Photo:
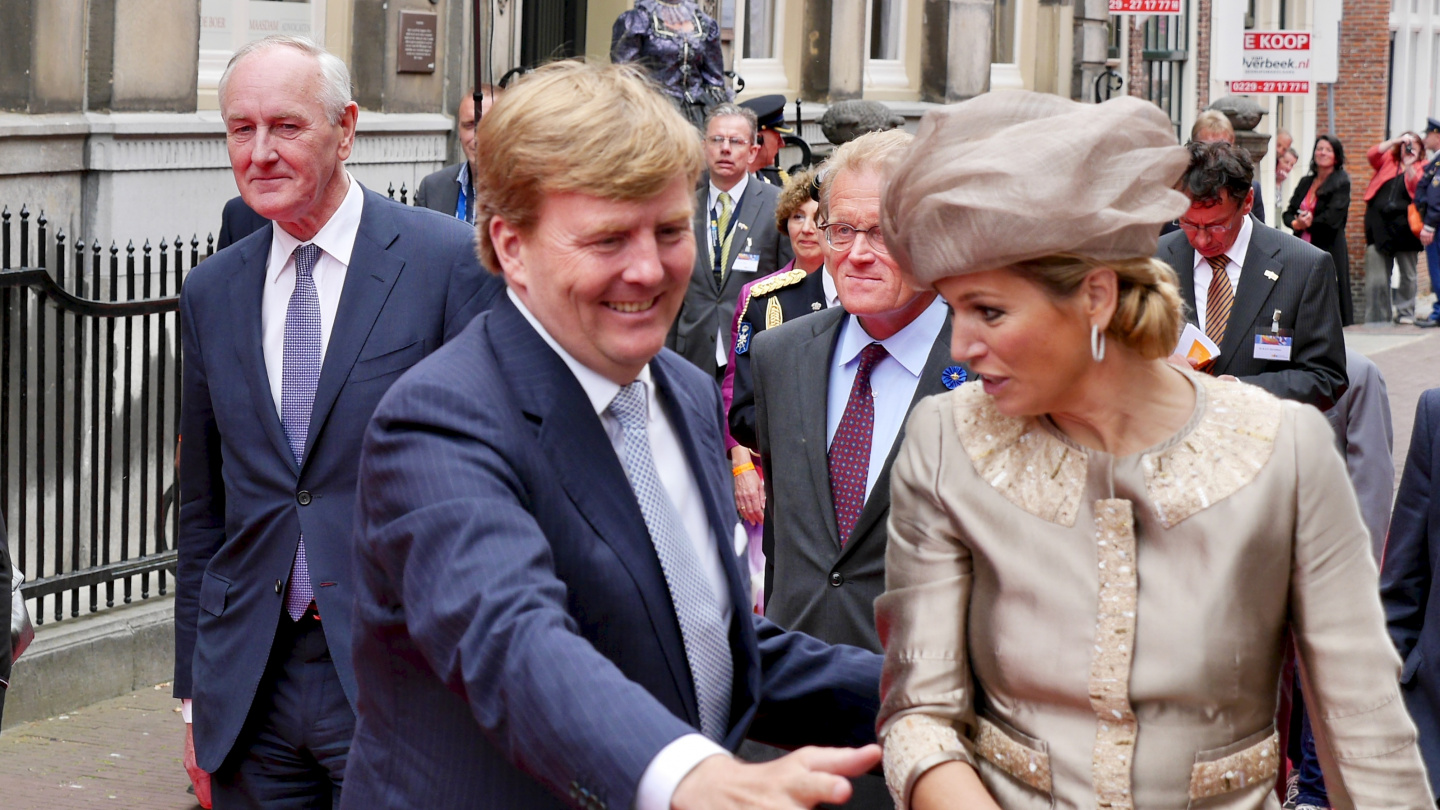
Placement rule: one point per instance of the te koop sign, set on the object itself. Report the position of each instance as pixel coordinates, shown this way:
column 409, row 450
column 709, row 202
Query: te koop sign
column 1275, row 62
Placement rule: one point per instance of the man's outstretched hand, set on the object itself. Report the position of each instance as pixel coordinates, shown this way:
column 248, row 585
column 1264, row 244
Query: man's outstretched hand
column 199, row 778
column 803, row 779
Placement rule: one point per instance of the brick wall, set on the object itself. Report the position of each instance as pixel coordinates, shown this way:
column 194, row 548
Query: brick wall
column 1201, row 57
column 1360, row 107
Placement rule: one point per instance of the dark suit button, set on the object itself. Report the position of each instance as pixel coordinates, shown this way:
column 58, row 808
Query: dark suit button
column 836, row 580
column 303, row 497
column 279, row 586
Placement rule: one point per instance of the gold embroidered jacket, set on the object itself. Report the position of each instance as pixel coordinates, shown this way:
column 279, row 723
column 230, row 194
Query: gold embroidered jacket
column 1092, row 631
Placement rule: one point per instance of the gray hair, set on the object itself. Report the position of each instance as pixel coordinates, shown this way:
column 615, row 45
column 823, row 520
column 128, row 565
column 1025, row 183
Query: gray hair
column 878, row 152
column 730, row 108
column 335, row 77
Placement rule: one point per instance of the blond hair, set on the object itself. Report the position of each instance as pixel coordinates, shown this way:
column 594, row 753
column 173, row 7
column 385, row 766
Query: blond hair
column 599, row 130
column 878, row 152
column 792, row 197
column 1212, row 123
column 1149, row 313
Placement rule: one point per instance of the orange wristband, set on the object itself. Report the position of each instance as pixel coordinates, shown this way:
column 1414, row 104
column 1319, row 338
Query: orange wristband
column 742, row 469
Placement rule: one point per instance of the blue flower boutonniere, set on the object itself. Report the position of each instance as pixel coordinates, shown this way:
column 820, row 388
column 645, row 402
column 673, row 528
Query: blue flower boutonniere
column 953, row 376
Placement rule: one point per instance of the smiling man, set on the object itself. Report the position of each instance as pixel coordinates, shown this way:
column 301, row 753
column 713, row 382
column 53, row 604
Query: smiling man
column 291, row 336
column 552, row 613
column 1267, row 299
column 735, row 241
column 832, row 390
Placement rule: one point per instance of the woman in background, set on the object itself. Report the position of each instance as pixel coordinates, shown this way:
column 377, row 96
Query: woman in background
column 1319, row 209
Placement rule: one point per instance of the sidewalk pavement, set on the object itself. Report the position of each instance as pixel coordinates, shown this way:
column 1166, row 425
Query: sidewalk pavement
column 125, row 753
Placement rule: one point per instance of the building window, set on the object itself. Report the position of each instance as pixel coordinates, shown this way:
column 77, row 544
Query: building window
column 1002, row 47
column 885, row 29
column 228, row 25
column 759, row 29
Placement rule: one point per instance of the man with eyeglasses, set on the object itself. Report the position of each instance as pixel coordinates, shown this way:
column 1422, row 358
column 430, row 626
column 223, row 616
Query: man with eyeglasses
column 734, row 238
column 1266, row 298
column 832, row 391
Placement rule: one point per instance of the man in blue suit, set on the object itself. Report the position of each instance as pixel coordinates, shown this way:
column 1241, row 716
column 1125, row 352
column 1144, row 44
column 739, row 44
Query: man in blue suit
column 1410, row 581
column 291, row 336
column 549, row 609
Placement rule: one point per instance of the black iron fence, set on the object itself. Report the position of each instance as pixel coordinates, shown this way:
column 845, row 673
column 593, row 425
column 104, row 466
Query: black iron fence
column 89, row 412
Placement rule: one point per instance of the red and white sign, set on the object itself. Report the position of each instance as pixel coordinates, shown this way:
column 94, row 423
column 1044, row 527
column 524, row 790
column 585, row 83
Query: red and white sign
column 1145, row 6
column 1276, row 62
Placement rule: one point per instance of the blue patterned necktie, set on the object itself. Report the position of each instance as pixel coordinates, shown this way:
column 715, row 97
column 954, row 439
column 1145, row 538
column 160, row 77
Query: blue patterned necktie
column 702, row 628
column 298, row 380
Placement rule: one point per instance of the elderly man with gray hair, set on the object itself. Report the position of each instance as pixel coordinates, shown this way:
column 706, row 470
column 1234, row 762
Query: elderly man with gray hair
column 291, row 337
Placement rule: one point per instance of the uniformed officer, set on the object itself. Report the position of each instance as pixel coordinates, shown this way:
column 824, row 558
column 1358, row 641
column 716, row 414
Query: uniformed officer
column 1427, row 202
column 770, row 112
column 797, row 289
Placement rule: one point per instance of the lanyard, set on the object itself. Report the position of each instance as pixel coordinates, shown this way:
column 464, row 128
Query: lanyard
column 717, row 245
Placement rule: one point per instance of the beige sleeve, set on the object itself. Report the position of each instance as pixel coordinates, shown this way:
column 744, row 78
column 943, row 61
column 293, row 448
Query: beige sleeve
column 1365, row 739
column 926, row 694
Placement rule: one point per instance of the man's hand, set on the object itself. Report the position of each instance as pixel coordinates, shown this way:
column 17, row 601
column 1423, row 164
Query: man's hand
column 199, row 778
column 803, row 779
column 1427, row 235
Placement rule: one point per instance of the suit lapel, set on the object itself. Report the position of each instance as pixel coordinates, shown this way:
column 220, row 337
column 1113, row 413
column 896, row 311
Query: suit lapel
column 1181, row 258
column 814, row 368
column 878, row 504
column 1250, row 294
column 368, row 282
column 577, row 448
column 247, row 290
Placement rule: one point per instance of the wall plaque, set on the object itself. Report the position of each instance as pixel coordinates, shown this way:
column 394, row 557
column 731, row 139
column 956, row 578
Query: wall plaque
column 416, row 42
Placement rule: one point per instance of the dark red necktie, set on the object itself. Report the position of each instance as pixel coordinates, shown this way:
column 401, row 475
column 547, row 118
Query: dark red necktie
column 850, row 449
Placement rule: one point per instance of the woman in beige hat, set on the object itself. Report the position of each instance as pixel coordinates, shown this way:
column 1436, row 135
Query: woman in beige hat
column 1094, row 555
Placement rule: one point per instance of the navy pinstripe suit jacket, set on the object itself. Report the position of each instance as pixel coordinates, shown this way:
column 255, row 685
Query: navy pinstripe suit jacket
column 515, row 642
column 413, row 282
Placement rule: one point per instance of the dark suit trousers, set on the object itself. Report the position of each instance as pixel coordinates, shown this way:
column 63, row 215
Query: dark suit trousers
column 292, row 752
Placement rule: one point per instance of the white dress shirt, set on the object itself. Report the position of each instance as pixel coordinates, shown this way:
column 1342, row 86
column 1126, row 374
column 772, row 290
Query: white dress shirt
column 336, row 239
column 827, row 281
column 892, row 382
column 676, row 760
column 1204, row 273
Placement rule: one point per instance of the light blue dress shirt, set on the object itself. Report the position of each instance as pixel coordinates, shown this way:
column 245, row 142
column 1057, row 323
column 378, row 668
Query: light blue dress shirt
column 892, row 381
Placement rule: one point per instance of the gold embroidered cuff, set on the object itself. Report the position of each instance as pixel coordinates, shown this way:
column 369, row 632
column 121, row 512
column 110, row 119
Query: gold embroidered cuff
column 915, row 744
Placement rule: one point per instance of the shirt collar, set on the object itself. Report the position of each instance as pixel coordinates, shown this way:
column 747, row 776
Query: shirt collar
column 336, row 237
column 735, row 193
column 1237, row 251
column 599, row 389
column 827, row 282
column 910, row 346
column 463, row 176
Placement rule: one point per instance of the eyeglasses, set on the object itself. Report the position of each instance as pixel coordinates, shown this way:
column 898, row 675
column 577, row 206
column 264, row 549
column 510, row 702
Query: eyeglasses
column 719, row 141
column 840, row 236
column 1211, row 231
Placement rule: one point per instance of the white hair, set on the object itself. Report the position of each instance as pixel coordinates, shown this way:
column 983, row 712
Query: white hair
column 335, row 77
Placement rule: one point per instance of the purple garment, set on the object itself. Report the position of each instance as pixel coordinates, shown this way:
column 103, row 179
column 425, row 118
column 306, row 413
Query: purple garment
column 687, row 65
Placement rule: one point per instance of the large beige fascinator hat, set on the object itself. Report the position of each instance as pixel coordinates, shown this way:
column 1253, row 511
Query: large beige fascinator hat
column 1011, row 176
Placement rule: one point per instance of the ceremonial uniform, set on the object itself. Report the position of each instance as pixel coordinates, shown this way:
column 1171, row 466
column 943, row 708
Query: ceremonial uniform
column 1427, row 202
column 783, row 296
column 773, row 176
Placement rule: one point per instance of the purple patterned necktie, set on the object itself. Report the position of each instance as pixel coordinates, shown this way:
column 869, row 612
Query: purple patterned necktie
column 299, row 377
column 850, row 449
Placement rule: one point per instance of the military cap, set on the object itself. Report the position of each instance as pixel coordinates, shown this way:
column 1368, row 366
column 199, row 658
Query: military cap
column 1431, row 125
column 769, row 112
